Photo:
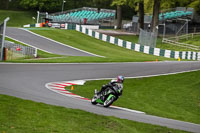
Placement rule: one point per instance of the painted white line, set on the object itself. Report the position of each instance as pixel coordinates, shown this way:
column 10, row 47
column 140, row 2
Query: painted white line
column 130, row 110
column 62, row 43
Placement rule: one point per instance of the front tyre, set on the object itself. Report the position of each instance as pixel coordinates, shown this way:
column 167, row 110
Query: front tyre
column 109, row 101
column 93, row 101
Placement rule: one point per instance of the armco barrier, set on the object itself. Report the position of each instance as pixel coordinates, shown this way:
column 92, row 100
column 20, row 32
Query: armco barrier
column 140, row 48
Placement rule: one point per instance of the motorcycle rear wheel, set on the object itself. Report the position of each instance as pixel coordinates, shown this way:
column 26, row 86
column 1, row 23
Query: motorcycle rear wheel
column 107, row 103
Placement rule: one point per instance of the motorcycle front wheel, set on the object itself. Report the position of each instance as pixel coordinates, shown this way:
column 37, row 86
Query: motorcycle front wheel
column 93, row 101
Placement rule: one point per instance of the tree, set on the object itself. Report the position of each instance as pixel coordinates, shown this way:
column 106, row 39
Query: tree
column 155, row 18
column 196, row 5
column 119, row 4
column 141, row 14
column 106, row 4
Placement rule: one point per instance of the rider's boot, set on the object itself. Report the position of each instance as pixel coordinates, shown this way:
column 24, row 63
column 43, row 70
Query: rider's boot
column 95, row 91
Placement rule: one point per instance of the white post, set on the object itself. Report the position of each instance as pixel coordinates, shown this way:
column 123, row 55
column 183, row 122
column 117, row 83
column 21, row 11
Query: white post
column 47, row 15
column 35, row 54
column 38, row 15
column 199, row 56
column 63, row 5
column 164, row 31
column 3, row 37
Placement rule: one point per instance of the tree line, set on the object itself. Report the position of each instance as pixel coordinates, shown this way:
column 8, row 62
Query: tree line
column 125, row 8
column 134, row 5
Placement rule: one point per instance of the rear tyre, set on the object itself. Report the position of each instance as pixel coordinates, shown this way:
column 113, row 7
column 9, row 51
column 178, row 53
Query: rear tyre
column 107, row 103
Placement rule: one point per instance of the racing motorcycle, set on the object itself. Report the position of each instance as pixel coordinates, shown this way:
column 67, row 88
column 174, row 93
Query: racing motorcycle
column 107, row 97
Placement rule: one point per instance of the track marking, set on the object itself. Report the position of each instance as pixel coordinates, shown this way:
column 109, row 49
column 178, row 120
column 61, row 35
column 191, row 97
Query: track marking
column 59, row 87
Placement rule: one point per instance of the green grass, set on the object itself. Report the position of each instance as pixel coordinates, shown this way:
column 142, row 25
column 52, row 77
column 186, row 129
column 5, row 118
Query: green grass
column 23, row 116
column 111, row 52
column 133, row 38
column 194, row 41
column 130, row 38
column 17, row 18
column 173, row 96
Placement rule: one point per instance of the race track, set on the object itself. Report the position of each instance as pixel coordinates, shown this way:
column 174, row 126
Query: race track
column 28, row 81
column 42, row 43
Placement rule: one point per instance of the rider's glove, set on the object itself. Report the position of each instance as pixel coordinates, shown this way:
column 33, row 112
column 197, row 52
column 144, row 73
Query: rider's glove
column 103, row 86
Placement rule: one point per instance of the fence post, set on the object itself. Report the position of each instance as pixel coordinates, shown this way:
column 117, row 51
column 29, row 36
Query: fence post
column 4, row 54
column 35, row 54
column 199, row 56
column 3, row 37
column 38, row 15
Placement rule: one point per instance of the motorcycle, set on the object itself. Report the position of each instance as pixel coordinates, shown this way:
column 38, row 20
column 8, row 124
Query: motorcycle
column 107, row 97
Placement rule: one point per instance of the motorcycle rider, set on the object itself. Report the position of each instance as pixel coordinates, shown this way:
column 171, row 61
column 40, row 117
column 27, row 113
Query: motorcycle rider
column 118, row 84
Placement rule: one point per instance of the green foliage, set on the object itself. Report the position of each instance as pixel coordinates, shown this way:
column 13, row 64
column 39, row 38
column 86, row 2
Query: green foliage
column 119, row 2
column 101, row 4
column 18, row 18
column 196, row 5
column 41, row 5
column 168, row 4
column 55, row 5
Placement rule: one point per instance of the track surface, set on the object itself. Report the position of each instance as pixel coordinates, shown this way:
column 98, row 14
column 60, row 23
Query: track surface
column 28, row 81
column 44, row 44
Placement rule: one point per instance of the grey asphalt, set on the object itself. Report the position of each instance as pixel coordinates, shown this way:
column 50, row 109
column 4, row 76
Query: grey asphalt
column 42, row 43
column 28, row 81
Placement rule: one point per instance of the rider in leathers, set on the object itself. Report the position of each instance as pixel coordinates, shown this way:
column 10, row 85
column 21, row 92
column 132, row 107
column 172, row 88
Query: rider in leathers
column 116, row 85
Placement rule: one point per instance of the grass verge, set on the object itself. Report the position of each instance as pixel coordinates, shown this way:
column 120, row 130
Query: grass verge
column 194, row 41
column 18, row 18
column 24, row 116
column 173, row 96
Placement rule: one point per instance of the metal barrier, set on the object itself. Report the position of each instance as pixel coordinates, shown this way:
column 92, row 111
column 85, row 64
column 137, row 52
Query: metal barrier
column 19, row 51
column 175, row 41
column 148, row 38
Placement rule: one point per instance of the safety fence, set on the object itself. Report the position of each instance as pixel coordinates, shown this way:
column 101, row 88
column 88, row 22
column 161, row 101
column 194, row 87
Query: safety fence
column 148, row 38
column 16, row 51
column 140, row 48
column 175, row 41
